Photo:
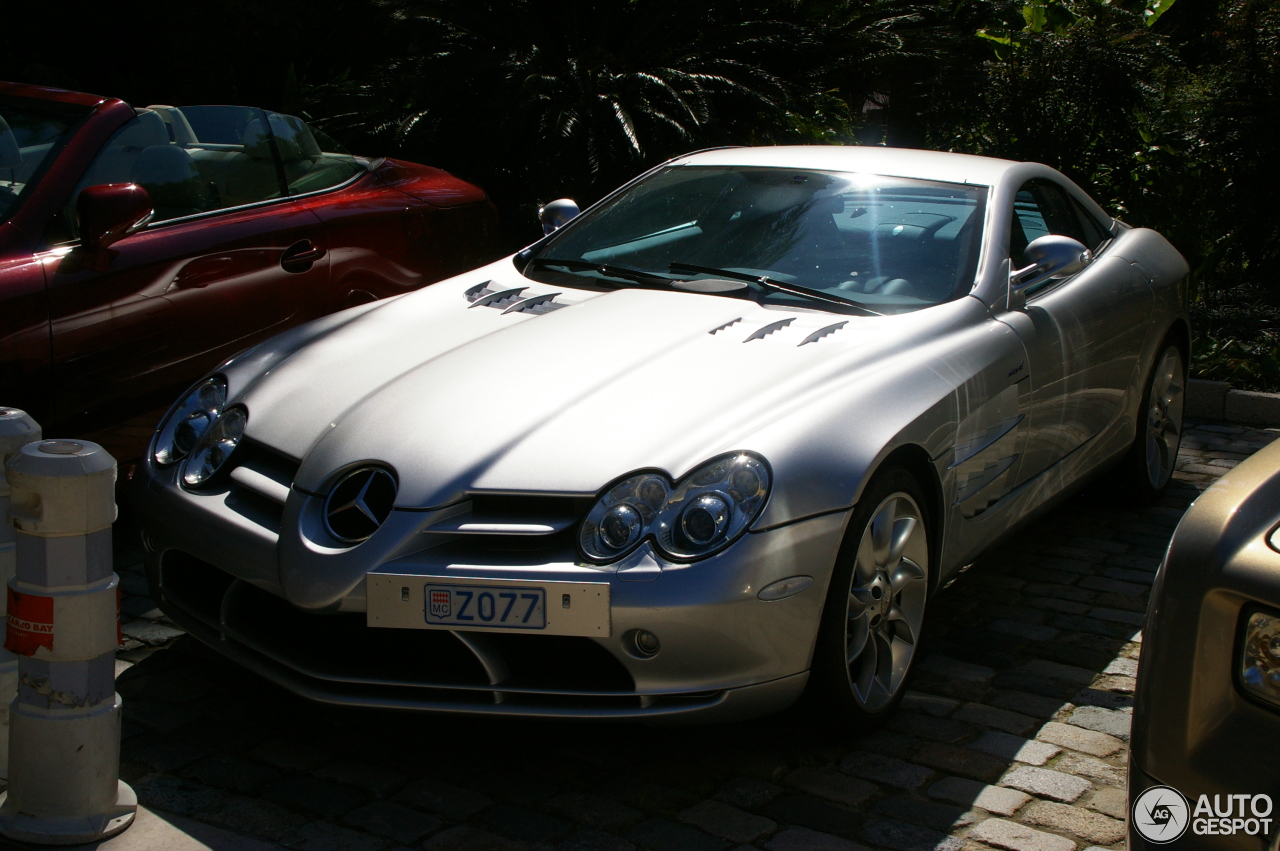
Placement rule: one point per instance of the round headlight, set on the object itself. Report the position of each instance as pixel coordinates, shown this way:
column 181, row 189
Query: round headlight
column 712, row 506
column 705, row 519
column 700, row 516
column 189, row 420
column 215, row 447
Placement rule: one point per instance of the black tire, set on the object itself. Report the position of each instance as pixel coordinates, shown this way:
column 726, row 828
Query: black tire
column 838, row 687
column 1159, row 429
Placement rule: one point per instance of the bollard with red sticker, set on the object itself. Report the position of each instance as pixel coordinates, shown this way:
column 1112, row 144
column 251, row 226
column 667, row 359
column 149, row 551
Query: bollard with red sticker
column 62, row 624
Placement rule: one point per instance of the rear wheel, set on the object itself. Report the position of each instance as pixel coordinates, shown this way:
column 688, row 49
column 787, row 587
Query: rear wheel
column 875, row 604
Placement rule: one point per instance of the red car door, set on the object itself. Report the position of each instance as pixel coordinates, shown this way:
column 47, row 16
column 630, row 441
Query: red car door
column 227, row 261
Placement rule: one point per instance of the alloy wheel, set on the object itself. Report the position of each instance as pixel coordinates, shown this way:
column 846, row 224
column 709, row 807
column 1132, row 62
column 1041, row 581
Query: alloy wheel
column 886, row 601
column 1166, row 397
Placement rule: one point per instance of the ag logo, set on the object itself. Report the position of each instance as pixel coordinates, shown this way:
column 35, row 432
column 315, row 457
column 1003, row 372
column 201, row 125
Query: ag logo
column 1161, row 814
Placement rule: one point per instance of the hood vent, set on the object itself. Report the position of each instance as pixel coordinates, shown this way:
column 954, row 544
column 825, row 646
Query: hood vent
column 729, row 324
column 761, row 333
column 539, row 304
column 509, row 301
column 822, row 332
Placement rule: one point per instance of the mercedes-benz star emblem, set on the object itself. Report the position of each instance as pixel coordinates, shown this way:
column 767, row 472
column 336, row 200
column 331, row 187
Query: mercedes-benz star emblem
column 359, row 504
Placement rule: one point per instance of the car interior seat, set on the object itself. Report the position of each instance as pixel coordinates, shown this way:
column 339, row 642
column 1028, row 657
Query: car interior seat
column 115, row 163
column 171, row 179
column 251, row 174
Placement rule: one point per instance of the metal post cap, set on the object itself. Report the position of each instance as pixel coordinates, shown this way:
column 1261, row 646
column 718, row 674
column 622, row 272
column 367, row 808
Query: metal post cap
column 17, row 429
column 61, row 487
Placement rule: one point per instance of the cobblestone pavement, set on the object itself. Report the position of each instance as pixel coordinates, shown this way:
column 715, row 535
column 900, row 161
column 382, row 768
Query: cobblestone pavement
column 1014, row 735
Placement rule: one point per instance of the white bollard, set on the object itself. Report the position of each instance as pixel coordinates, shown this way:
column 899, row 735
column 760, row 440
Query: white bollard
column 64, row 751
column 16, row 430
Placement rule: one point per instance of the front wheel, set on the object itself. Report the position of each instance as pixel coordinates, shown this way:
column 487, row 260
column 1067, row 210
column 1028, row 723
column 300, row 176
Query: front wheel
column 1154, row 454
column 875, row 604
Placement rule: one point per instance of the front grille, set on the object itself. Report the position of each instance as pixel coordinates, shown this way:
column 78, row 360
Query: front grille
column 259, row 484
column 337, row 658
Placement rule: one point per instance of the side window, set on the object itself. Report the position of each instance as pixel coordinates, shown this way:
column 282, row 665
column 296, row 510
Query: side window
column 1095, row 233
column 1041, row 208
column 190, row 161
column 311, row 160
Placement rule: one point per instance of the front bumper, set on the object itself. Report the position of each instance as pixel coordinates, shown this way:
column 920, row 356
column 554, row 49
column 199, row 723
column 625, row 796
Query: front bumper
column 724, row 653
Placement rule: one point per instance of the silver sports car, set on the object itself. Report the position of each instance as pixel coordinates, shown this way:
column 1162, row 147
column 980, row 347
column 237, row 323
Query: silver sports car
column 712, row 442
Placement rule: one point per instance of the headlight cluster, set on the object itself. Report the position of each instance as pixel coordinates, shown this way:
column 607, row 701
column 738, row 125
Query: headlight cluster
column 200, row 432
column 700, row 515
column 1260, row 667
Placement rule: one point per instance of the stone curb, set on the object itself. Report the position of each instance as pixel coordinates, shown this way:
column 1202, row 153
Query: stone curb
column 1215, row 400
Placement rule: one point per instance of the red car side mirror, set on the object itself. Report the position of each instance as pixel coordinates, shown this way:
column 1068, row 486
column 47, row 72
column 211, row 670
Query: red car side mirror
column 111, row 211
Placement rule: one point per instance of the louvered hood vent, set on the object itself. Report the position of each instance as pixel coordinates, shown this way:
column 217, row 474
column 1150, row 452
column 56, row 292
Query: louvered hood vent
column 514, row 300
column 760, row 333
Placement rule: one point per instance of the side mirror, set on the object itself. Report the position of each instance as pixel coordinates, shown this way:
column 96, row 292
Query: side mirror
column 1051, row 256
column 556, row 214
column 111, row 211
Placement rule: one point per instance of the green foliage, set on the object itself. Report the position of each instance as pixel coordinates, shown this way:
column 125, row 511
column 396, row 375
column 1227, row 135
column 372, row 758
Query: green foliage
column 1248, row 366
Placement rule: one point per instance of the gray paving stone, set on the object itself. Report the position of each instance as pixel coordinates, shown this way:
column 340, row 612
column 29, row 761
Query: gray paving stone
column 955, row 668
column 804, row 839
column 991, row 716
column 443, row 799
column 597, row 811
column 1077, row 739
column 1089, row 826
column 393, row 821
column 1109, row 801
column 962, row 761
column 731, row 823
column 1068, row 607
column 467, row 838
column 831, row 785
column 1046, row 783
column 176, row 795
column 1124, row 574
column 889, row 743
column 971, row 793
column 748, row 793
column 1123, row 667
column 322, row 836
column 1016, row 748
column 594, row 840
column 529, row 825
column 159, row 752
column 1016, row 837
column 943, row 817
column 151, row 634
column 141, row 607
column 1080, row 765
column 1115, row 586
column 661, row 835
column 1119, row 616
column 253, row 816
column 1104, row 699
column 375, row 779
column 1103, row 720
column 1057, row 671
column 291, row 754
column 814, row 814
column 948, row 730
column 1034, row 705
column 930, row 704
column 888, row 833
column 321, row 798
column 884, row 769
column 162, row 715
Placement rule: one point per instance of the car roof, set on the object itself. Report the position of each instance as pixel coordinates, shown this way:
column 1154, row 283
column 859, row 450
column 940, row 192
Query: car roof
column 895, row 162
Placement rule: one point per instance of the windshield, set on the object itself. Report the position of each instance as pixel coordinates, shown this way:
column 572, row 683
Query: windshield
column 32, row 132
column 890, row 244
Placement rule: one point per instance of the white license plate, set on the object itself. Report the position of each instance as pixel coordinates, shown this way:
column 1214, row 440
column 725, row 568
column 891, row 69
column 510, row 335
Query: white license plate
column 486, row 605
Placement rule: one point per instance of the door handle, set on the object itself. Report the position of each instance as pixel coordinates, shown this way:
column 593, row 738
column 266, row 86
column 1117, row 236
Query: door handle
column 300, row 255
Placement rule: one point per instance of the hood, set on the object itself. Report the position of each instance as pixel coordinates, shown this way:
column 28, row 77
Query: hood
column 555, row 390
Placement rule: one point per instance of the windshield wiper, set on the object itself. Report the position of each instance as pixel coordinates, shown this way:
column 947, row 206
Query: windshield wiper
column 623, row 272
column 771, row 284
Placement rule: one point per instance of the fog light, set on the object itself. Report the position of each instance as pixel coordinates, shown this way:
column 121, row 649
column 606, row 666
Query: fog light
column 644, row 643
column 1259, row 669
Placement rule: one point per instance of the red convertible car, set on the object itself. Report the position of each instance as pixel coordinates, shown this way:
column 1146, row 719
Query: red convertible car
column 140, row 247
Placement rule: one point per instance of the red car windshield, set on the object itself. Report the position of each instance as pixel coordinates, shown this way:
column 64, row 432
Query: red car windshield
column 32, row 132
